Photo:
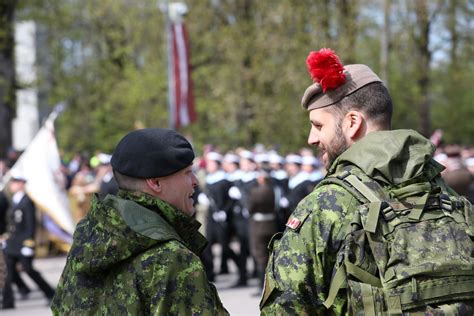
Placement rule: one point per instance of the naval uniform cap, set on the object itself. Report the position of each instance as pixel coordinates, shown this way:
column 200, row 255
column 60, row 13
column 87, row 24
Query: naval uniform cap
column 214, row 156
column 275, row 158
column 17, row 175
column 151, row 153
column 246, row 154
column 232, row 158
column 104, row 159
column 309, row 160
column 292, row 158
column 261, row 158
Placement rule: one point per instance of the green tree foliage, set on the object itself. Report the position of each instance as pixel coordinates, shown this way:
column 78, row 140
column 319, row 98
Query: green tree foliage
column 107, row 60
column 7, row 74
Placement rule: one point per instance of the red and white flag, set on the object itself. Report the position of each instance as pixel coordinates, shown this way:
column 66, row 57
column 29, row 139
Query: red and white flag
column 180, row 82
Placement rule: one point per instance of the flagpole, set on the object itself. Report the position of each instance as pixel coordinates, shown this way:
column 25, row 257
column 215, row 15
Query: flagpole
column 170, row 62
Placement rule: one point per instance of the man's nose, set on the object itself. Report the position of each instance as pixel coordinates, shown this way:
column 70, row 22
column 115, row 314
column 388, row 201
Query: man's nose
column 313, row 138
column 195, row 180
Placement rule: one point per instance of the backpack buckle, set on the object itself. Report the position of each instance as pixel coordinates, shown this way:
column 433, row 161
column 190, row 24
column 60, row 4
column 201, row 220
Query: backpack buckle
column 445, row 202
column 387, row 211
column 343, row 175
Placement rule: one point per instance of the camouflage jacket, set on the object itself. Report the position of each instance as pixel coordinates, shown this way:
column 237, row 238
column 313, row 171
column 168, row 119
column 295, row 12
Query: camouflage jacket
column 136, row 255
column 301, row 264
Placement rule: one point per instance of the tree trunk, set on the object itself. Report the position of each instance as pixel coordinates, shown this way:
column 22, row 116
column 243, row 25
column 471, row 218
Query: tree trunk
column 7, row 74
column 385, row 42
column 451, row 21
column 424, row 59
column 349, row 28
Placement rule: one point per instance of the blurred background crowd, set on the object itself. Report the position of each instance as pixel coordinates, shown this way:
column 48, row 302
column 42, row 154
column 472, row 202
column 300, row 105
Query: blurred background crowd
column 107, row 63
column 245, row 196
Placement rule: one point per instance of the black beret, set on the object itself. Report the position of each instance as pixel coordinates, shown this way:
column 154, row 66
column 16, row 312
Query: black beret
column 151, row 153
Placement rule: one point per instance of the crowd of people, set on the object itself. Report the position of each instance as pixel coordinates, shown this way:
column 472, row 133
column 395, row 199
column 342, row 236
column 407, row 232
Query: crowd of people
column 244, row 197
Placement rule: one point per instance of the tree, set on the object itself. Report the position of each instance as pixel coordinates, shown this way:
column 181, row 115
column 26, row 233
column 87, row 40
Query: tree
column 108, row 62
column 7, row 74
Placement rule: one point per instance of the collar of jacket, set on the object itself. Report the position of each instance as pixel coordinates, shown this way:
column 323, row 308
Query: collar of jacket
column 397, row 157
column 156, row 219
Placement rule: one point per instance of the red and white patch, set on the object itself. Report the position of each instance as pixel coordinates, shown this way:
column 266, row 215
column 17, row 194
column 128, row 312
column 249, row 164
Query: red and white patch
column 293, row 223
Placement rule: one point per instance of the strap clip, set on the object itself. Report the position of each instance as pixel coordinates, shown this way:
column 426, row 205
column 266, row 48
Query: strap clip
column 343, row 175
column 387, row 211
column 445, row 202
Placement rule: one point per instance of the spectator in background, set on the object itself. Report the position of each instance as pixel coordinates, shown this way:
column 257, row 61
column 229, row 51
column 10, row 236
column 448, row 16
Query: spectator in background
column 263, row 222
column 75, row 164
column 456, row 174
column 469, row 162
column 19, row 241
column 310, row 164
column 3, row 169
column 3, row 212
column 12, row 156
column 81, row 191
column 299, row 184
column 105, row 177
column 216, row 196
column 3, row 276
column 3, row 228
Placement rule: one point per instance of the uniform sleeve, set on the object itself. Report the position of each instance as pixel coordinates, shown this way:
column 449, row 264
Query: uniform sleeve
column 174, row 283
column 29, row 220
column 302, row 261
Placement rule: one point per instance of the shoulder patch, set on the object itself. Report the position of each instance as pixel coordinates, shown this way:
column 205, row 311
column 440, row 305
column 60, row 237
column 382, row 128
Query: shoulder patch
column 293, row 223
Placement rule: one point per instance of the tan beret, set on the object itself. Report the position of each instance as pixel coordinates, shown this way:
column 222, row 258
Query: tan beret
column 357, row 76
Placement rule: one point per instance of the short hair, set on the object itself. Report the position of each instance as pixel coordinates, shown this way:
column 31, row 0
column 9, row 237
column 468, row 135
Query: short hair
column 128, row 183
column 373, row 100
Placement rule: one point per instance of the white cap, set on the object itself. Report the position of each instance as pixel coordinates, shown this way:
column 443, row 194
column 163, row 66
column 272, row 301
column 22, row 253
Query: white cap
column 276, row 158
column 104, row 159
column 309, row 160
column 214, row 156
column 261, row 158
column 293, row 159
column 232, row 158
column 17, row 175
column 245, row 154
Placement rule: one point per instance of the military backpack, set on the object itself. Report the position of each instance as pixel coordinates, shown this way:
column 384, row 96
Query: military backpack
column 405, row 248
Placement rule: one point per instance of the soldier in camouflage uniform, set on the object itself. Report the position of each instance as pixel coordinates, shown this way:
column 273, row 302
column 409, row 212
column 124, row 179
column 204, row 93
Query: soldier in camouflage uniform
column 137, row 253
column 350, row 125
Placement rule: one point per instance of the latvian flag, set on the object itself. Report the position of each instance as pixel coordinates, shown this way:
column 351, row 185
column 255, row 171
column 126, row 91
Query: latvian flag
column 180, row 82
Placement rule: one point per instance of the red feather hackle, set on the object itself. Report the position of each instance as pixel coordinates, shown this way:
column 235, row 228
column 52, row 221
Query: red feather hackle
column 326, row 69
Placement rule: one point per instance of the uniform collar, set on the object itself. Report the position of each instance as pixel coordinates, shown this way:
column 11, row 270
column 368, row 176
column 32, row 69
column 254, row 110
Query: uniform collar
column 17, row 197
column 185, row 226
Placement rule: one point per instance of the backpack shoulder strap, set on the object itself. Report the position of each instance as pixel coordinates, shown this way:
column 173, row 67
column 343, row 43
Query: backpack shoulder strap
column 341, row 180
column 364, row 194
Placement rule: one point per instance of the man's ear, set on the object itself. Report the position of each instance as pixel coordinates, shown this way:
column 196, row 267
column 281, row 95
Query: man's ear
column 355, row 125
column 154, row 184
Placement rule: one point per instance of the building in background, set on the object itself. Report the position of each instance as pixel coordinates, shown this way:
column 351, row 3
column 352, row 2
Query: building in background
column 26, row 122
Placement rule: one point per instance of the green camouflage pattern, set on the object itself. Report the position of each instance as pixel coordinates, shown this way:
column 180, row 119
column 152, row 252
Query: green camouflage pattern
column 303, row 258
column 300, row 267
column 136, row 255
column 423, row 261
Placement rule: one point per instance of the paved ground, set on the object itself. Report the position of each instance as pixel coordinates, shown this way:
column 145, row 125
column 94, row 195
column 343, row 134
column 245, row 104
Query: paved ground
column 237, row 301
